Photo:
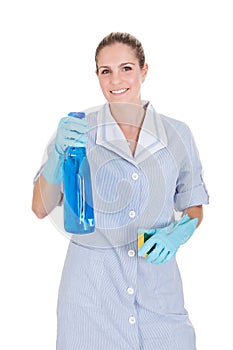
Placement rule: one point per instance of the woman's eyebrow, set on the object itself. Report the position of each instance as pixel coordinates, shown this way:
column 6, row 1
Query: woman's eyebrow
column 103, row 67
column 122, row 64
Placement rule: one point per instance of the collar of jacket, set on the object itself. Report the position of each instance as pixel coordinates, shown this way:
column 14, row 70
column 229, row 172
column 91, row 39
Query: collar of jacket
column 152, row 136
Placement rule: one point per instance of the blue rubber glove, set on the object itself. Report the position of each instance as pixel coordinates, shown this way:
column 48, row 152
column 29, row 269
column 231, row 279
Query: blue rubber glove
column 71, row 131
column 164, row 242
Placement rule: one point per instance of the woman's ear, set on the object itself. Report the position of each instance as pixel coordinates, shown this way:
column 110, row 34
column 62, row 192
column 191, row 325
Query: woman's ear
column 144, row 71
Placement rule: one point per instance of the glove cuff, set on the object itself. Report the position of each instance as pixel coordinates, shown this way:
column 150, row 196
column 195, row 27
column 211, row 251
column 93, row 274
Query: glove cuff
column 188, row 228
column 53, row 169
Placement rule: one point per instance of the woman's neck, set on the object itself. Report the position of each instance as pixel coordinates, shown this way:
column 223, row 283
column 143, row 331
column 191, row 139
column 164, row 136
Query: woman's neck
column 129, row 117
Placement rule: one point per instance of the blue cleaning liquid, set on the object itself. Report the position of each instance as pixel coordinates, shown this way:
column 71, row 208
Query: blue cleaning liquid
column 78, row 201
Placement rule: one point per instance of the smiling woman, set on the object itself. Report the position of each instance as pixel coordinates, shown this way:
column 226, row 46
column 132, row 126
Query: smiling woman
column 111, row 296
column 121, row 68
column 119, row 74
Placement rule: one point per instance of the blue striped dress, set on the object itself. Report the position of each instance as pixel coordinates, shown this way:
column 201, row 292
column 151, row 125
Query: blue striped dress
column 109, row 298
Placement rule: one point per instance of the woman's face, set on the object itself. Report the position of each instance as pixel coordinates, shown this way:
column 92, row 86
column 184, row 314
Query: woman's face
column 119, row 74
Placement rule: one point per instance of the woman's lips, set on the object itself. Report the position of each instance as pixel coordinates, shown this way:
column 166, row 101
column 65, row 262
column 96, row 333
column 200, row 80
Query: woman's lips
column 118, row 91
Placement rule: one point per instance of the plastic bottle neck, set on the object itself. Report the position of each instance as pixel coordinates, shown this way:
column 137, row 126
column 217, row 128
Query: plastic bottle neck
column 76, row 151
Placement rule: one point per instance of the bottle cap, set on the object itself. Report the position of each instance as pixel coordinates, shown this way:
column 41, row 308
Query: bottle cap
column 79, row 115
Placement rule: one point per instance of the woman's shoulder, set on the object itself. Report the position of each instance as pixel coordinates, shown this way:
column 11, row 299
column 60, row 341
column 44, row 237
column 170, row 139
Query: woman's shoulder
column 93, row 110
column 176, row 128
column 91, row 115
column 169, row 123
column 174, row 123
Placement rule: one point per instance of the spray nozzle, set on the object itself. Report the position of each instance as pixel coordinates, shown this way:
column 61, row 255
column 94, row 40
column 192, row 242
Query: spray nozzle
column 79, row 115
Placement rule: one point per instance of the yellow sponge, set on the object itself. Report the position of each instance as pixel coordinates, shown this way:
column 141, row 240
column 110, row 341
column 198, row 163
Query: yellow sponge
column 142, row 238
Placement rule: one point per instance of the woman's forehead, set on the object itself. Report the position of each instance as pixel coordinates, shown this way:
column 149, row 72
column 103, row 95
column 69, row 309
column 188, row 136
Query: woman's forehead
column 116, row 53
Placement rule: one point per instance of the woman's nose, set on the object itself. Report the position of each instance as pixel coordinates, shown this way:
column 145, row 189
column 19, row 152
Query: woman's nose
column 115, row 77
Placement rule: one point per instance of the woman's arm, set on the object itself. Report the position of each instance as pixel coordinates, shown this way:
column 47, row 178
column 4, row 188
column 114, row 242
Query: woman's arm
column 195, row 212
column 45, row 197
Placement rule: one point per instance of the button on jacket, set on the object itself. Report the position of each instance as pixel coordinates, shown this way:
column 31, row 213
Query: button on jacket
column 109, row 298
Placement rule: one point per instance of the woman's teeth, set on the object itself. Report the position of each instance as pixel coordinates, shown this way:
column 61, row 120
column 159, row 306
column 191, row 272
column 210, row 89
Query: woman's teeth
column 120, row 91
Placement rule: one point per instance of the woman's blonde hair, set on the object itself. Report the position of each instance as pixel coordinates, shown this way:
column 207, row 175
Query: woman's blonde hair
column 124, row 38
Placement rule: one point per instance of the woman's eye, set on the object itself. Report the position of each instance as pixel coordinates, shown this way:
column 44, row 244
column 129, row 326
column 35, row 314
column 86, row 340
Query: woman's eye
column 105, row 71
column 127, row 68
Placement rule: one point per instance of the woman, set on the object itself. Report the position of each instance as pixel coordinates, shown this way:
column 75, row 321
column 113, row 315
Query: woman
column 145, row 167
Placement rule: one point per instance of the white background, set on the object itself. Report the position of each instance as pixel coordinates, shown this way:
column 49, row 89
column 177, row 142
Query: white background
column 46, row 70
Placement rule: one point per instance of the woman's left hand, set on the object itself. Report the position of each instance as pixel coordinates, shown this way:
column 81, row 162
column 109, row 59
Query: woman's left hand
column 164, row 242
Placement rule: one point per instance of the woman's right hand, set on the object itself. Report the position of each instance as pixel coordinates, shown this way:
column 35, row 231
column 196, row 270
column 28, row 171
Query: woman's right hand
column 71, row 131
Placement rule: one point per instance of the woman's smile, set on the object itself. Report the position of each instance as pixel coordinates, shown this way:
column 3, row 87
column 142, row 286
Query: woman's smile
column 119, row 91
column 119, row 74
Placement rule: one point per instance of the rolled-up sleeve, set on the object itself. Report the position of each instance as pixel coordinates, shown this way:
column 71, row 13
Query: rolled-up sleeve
column 190, row 187
column 46, row 154
column 48, row 151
